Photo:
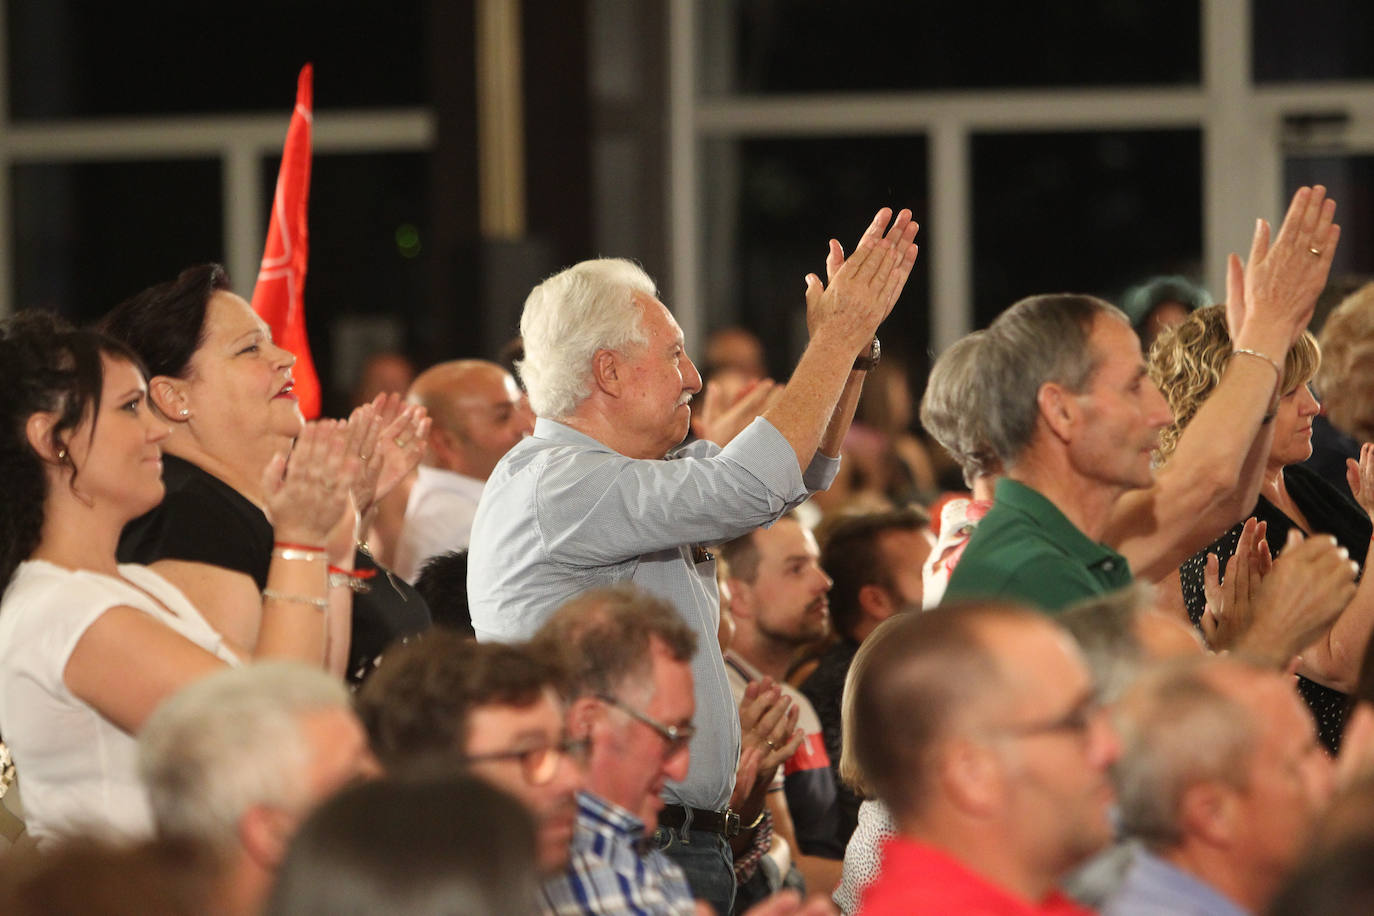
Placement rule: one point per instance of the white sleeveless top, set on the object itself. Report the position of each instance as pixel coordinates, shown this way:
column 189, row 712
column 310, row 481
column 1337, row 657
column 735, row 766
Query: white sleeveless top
column 80, row 771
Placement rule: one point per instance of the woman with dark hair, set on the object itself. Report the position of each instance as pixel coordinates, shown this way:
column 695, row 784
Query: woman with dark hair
column 1186, row 363
column 88, row 646
column 449, row 847
column 226, row 390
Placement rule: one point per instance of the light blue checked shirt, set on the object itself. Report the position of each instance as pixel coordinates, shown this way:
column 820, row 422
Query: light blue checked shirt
column 610, row 872
column 1154, row 886
column 562, row 513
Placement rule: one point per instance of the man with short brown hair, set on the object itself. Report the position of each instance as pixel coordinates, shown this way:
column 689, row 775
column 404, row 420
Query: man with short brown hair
column 779, row 605
column 628, row 655
column 444, row 703
column 979, row 727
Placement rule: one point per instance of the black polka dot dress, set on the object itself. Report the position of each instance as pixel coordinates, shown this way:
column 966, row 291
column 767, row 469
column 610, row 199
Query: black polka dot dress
column 1328, row 511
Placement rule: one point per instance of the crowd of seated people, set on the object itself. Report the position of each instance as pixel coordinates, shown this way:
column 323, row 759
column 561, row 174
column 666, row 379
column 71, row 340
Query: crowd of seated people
column 628, row 664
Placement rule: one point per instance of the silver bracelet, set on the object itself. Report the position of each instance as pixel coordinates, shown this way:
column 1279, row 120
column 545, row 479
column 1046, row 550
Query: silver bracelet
column 1278, row 370
column 321, row 604
column 296, row 553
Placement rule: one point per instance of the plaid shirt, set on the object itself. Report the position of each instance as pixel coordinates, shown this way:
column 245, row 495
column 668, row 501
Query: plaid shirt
column 613, row 868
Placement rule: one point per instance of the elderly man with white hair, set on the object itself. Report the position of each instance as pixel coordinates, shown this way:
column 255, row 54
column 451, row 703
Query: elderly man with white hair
column 589, row 500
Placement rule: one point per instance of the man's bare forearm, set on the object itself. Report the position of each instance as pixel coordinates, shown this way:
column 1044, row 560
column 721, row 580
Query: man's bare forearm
column 843, row 415
column 812, row 408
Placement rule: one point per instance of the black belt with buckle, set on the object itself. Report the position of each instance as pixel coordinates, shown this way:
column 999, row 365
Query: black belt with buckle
column 726, row 822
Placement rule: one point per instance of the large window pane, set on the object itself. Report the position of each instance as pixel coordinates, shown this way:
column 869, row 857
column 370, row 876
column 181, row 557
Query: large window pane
column 771, row 206
column 1082, row 212
column 1312, row 40
column 70, row 58
column 771, row 46
column 89, row 234
column 369, row 257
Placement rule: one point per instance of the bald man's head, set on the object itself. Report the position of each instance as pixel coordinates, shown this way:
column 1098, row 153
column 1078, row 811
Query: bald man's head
column 479, row 414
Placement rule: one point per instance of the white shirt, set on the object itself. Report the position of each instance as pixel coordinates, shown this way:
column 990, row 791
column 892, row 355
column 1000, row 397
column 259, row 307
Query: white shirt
column 438, row 518
column 79, row 769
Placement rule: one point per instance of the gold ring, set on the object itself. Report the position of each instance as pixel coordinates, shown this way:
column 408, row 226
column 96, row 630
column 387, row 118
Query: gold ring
column 366, row 458
column 399, row 443
column 1316, row 251
column 771, row 745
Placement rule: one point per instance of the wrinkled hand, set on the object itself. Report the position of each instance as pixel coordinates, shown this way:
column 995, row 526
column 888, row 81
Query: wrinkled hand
column 1360, row 476
column 391, row 444
column 864, row 288
column 790, row 903
column 1310, row 584
column 1281, row 281
column 308, row 493
column 1229, row 610
column 724, row 414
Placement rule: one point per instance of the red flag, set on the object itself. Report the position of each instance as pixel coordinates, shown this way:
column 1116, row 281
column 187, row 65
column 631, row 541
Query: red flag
column 279, row 296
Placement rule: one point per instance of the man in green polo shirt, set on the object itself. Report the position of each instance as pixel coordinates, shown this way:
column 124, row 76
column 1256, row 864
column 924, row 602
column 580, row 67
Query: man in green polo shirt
column 1025, row 548
column 1094, row 426
column 1064, row 403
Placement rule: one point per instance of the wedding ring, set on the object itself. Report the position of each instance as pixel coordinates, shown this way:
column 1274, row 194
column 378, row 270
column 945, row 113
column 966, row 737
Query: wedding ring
column 771, row 745
column 399, row 443
column 1316, row 251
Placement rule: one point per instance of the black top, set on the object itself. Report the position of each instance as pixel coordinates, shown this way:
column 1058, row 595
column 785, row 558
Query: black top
column 1330, row 448
column 825, row 689
column 1328, row 511
column 201, row 520
column 204, row 520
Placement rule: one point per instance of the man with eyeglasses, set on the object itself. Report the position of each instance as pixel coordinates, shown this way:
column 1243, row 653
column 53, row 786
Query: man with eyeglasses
column 979, row 726
column 444, row 703
column 628, row 656
column 628, row 660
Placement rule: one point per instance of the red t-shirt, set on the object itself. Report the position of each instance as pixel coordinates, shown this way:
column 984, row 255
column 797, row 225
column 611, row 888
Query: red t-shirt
column 917, row 879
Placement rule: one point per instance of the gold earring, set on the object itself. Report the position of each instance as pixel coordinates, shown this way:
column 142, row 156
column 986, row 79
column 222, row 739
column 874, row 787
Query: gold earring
column 61, row 454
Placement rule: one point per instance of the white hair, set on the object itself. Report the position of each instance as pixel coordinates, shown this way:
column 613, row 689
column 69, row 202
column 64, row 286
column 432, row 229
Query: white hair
column 228, row 742
column 571, row 315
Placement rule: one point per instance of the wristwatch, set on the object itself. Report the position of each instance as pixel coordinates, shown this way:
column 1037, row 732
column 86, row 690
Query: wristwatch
column 875, row 353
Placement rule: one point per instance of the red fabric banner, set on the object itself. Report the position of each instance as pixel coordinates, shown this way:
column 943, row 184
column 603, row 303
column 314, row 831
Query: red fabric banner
column 279, row 296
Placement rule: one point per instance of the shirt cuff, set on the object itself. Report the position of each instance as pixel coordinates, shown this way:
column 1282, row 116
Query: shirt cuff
column 820, row 473
column 764, row 452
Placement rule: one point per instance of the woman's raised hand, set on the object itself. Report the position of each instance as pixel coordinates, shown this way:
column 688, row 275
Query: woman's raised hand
column 307, row 492
column 401, row 443
column 1359, row 475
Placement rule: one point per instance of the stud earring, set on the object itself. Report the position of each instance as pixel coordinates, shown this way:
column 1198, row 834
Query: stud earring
column 61, row 454
column 185, row 412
